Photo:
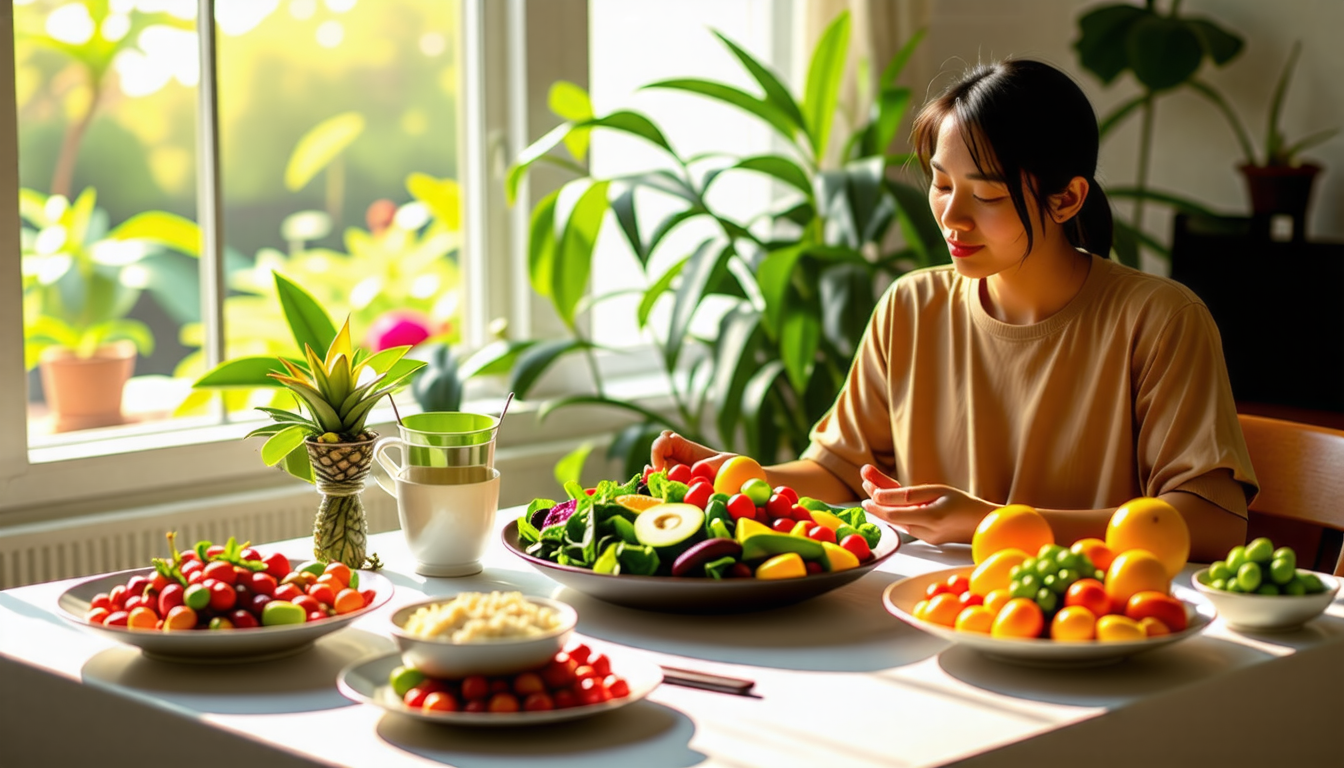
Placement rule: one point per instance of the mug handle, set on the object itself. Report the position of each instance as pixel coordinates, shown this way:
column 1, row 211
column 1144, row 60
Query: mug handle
column 389, row 466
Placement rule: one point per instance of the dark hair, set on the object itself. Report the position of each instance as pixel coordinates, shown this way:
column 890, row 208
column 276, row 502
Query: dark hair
column 1024, row 117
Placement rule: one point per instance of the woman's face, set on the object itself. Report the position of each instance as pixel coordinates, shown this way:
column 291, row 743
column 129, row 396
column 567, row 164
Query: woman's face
column 976, row 214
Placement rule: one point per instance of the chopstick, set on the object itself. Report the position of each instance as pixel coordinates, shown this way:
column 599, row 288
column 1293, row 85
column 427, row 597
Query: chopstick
column 690, row 678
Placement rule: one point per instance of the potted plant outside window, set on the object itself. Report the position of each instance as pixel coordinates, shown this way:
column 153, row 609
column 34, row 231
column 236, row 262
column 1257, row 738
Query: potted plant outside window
column 80, row 281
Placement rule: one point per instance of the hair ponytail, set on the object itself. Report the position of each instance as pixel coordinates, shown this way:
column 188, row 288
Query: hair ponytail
column 1093, row 227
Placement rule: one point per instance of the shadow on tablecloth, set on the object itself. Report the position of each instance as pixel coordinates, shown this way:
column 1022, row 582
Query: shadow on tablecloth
column 303, row 682
column 641, row 734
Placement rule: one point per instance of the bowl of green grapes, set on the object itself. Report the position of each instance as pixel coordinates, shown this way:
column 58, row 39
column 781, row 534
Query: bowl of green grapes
column 1259, row 588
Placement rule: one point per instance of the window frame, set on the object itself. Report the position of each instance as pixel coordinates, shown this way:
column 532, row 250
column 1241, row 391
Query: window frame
column 516, row 50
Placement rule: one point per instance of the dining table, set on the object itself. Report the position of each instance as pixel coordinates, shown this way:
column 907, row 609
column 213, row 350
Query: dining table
column 838, row 681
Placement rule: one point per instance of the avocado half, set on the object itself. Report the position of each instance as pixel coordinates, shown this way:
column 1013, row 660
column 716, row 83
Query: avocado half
column 670, row 527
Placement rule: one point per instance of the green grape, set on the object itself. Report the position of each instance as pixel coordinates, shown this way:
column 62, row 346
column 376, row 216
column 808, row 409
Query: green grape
column 1028, row 565
column 1267, row 589
column 1030, row 580
column 1046, row 565
column 1099, row 575
column 1286, row 553
column 1219, row 584
column 1049, row 580
column 1219, row 570
column 1249, row 576
column 1017, row 589
column 1015, row 571
column 1295, row 587
column 1312, row 583
column 1235, row 557
column 1047, row 600
column 1260, row 550
column 1064, row 578
column 1282, row 570
column 1067, row 558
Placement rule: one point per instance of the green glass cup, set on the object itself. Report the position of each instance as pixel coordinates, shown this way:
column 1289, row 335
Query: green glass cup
column 450, row 439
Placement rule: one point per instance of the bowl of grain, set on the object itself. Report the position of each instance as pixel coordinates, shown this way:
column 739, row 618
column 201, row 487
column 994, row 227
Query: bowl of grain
column 482, row 633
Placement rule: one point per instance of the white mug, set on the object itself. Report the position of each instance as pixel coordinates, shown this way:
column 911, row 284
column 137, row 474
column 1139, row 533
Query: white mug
column 442, row 472
column 447, row 526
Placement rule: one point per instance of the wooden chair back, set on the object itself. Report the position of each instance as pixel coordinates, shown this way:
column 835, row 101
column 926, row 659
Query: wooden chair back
column 1301, row 501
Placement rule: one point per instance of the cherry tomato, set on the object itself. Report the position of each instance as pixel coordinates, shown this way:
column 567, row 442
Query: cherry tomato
column 648, row 470
column 475, row 687
column 221, row 571
column 600, row 663
column 189, row 567
column 137, row 585
column 248, row 553
column 323, row 594
column 277, row 565
column 784, row 490
column 802, row 513
column 538, row 702
column 340, row 570
column 527, row 683
column 565, row 698
column 969, row 598
column 585, row 671
column 475, row 705
column 222, row 596
column 287, row 592
column 308, row 604
column 740, row 571
column 440, row 701
column 822, row 533
column 348, row 601
column 101, row 600
column 779, row 507
column 258, row 603
column 368, row 595
column 507, row 702
column 1090, row 594
column 591, row 691
column 959, row 583
column 116, row 619
column 616, row 686
column 135, row 601
column 262, row 583
column 97, row 615
column 214, row 551
column 316, row 615
column 180, row 618
column 1156, row 605
column 580, row 653
column 681, row 473
column 558, row 673
column 812, row 567
column 740, row 506
column 699, row 494
column 220, row 622
column 117, row 596
column 415, row 697
column 857, row 545
column 705, row 468
column 243, row 619
column 160, row 581
column 935, row 589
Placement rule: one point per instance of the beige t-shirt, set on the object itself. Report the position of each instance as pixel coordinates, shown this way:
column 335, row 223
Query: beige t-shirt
column 1123, row 393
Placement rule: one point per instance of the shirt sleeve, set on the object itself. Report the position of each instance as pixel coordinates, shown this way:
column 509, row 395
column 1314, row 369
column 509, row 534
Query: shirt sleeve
column 857, row 430
column 1188, row 436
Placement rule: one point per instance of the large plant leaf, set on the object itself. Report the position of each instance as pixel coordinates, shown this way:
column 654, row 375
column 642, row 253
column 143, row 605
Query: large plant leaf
column 890, row 107
column 779, row 167
column 543, row 244
column 279, row 445
column 443, row 197
column 1118, row 114
column 667, row 225
column 920, row 229
column 1221, row 45
column 173, row 281
column 1163, row 52
column 775, row 92
column 163, row 228
column 494, row 359
column 298, row 464
column 242, row 372
column 824, row 76
column 757, row 412
column 846, row 304
column 766, row 111
column 550, row 406
column 569, row 469
column 574, row 258
column 695, row 276
column 536, row 359
column 799, row 337
column 1103, row 45
column 571, row 102
column 739, row 334
column 308, row 322
column 627, row 216
column 534, row 151
column 319, row 146
column 656, row 292
column 633, row 445
column 897, row 64
column 774, row 276
column 1183, row 204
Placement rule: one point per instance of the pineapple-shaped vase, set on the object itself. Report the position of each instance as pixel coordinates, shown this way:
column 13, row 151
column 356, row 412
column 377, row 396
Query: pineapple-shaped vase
column 340, row 532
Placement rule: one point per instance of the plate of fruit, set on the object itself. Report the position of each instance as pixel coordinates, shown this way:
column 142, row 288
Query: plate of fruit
column 223, row 603
column 709, row 542
column 583, row 680
column 1029, row 600
column 1259, row 588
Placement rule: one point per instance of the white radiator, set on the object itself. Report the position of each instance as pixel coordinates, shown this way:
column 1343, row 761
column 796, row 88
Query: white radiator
column 113, row 542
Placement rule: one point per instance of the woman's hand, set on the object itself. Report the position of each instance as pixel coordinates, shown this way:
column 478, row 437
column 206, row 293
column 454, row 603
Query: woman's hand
column 937, row 514
column 670, row 449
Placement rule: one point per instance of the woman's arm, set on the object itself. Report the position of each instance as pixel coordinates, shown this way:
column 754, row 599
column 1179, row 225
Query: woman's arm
column 809, row 478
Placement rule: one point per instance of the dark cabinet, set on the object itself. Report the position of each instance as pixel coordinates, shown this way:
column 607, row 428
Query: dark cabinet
column 1279, row 307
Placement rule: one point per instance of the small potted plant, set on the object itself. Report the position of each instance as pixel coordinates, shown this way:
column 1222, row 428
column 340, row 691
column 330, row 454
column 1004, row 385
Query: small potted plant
column 1278, row 182
column 80, row 281
column 324, row 440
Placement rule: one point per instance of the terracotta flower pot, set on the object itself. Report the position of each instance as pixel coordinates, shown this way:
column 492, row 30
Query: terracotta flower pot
column 85, row 392
column 1281, row 190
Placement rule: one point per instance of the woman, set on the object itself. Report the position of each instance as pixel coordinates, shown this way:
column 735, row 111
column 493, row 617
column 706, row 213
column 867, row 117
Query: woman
column 1032, row 369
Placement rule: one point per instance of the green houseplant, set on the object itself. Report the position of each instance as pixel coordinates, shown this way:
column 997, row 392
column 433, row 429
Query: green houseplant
column 323, row 438
column 802, row 276
column 1164, row 52
column 80, row 281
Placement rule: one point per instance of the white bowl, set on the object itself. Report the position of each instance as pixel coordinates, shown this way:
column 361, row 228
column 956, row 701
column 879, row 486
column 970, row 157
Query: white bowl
column 1268, row 613
column 445, row 658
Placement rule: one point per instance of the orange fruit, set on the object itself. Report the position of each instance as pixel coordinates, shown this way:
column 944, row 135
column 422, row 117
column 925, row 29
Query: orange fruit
column 1134, row 571
column 1019, row 618
column 637, row 502
column 1154, row 525
column 1016, row 526
column 1096, row 551
column 996, row 599
column 943, row 609
column 735, row 472
column 975, row 618
column 992, row 574
column 1117, row 628
column 1160, row 606
column 1153, row 627
column 1073, row 622
column 919, row 609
